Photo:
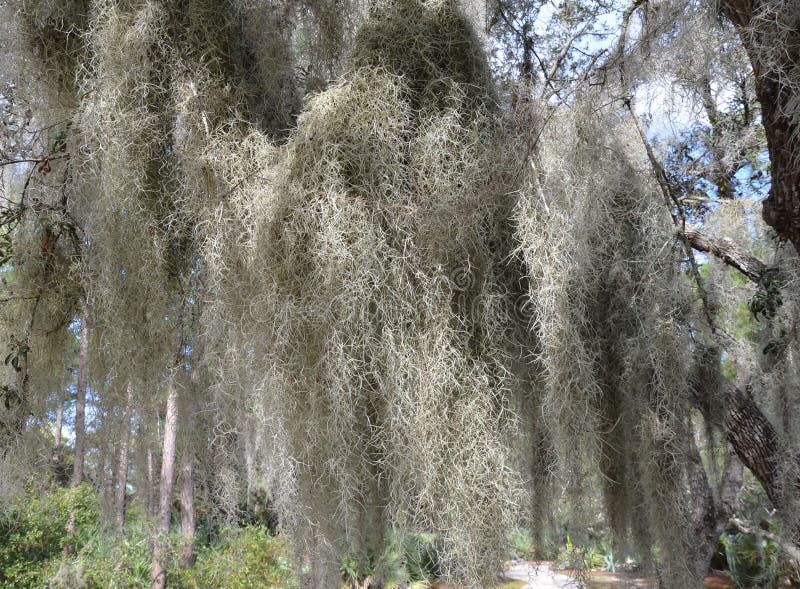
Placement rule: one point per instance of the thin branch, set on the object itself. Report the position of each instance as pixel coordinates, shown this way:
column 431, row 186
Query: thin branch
column 39, row 160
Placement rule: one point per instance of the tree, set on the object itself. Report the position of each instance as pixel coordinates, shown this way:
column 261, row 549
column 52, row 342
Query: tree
column 443, row 254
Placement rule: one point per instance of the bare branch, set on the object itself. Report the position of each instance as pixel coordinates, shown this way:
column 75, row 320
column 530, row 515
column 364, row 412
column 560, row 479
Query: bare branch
column 726, row 250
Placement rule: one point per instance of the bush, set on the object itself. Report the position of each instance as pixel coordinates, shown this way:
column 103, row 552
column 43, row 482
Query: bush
column 35, row 532
column 110, row 560
column 522, row 544
column 245, row 559
column 412, row 562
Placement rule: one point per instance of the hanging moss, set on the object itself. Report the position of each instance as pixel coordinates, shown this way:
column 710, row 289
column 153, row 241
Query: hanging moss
column 429, row 44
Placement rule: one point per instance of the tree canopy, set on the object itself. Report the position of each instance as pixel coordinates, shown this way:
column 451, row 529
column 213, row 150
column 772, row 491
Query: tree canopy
column 409, row 266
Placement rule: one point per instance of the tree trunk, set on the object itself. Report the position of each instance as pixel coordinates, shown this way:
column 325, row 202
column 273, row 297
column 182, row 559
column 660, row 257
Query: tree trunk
column 755, row 441
column 122, row 470
column 59, row 422
column 712, row 507
column 160, row 545
column 187, row 508
column 80, row 425
column 80, row 403
column 151, row 504
column 58, row 467
column 776, row 88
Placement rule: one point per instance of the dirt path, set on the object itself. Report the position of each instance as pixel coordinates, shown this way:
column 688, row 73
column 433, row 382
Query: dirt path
column 539, row 576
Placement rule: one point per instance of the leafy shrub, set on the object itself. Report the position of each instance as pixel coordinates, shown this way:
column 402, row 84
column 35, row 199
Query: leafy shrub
column 110, row 560
column 245, row 559
column 522, row 544
column 412, row 562
column 596, row 556
column 35, row 532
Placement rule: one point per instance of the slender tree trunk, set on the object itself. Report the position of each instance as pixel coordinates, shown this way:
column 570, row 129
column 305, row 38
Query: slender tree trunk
column 187, row 508
column 59, row 422
column 80, row 425
column 59, row 426
column 80, row 403
column 122, row 470
column 151, row 505
column 159, row 571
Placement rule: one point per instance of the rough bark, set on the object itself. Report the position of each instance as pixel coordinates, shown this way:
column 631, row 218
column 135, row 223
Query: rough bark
column 160, row 544
column 776, row 91
column 755, row 441
column 712, row 507
column 122, row 469
column 187, row 557
column 80, row 403
column 727, row 251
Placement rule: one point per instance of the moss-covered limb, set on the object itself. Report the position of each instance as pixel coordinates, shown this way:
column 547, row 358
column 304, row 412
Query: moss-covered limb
column 727, row 251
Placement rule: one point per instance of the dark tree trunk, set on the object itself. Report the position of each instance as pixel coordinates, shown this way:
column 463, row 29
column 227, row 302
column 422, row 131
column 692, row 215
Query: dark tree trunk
column 711, row 508
column 773, row 76
column 755, row 441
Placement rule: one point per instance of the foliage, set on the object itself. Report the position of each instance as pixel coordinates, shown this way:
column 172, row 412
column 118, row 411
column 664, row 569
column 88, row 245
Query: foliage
column 597, row 555
column 245, row 558
column 412, row 561
column 522, row 542
column 35, row 532
column 33, row 537
column 755, row 561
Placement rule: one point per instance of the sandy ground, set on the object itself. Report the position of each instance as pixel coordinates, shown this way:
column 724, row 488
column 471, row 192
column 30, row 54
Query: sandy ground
column 539, row 576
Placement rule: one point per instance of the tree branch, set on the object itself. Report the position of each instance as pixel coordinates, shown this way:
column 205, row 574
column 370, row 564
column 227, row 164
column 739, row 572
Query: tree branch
column 727, row 251
column 755, row 441
column 790, row 549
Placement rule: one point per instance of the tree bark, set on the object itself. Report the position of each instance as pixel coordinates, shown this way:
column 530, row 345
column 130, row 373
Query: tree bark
column 712, row 507
column 151, row 504
column 755, row 441
column 122, row 469
column 727, row 251
column 57, row 432
column 59, row 422
column 80, row 403
column 187, row 508
column 160, row 544
column 776, row 88
column 80, row 425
